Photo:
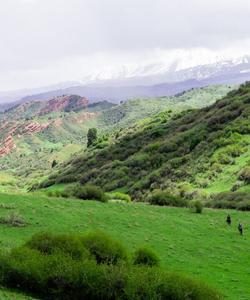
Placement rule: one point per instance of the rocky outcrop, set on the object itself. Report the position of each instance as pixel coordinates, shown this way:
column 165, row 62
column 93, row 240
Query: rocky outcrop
column 10, row 130
column 64, row 103
column 7, row 145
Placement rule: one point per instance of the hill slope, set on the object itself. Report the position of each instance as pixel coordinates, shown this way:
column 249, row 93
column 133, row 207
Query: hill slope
column 197, row 149
column 173, row 233
column 34, row 134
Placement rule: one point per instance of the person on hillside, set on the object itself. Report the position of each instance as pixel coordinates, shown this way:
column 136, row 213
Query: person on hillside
column 229, row 221
column 240, row 228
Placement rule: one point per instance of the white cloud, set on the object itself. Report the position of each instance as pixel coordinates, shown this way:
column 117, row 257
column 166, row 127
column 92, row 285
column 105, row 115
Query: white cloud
column 45, row 41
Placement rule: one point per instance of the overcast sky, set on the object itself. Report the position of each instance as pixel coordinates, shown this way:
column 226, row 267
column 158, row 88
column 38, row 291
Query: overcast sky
column 48, row 41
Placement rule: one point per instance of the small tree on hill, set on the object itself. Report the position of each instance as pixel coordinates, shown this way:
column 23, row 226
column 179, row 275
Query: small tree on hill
column 54, row 163
column 91, row 136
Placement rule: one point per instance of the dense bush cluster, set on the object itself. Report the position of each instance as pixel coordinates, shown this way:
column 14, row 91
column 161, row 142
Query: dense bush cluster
column 64, row 267
column 234, row 200
column 164, row 198
column 89, row 192
column 84, row 192
column 145, row 256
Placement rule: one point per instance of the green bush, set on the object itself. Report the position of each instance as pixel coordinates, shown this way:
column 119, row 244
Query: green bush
column 55, row 193
column 164, row 198
column 103, row 248
column 48, row 244
column 147, row 283
column 89, row 192
column 59, row 276
column 14, row 219
column 244, row 205
column 197, row 206
column 232, row 200
column 119, row 196
column 145, row 256
column 245, row 175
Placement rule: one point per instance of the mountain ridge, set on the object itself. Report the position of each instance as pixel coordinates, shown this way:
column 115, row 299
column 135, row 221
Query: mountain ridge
column 147, row 81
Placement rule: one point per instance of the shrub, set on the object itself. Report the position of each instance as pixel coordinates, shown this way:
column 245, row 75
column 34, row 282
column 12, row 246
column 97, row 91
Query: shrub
column 55, row 193
column 89, row 192
column 202, row 183
column 238, row 184
column 244, row 205
column 197, row 206
column 245, row 175
column 91, row 136
column 7, row 206
column 239, row 200
column 145, row 256
column 59, row 276
column 119, row 196
column 153, row 283
column 104, row 248
column 164, row 198
column 48, row 244
column 14, row 219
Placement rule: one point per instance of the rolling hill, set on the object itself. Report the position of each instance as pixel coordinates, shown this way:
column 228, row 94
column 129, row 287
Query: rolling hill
column 36, row 133
column 195, row 152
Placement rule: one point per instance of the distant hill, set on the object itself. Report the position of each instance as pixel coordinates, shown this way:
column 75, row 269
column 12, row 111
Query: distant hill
column 154, row 80
column 119, row 93
column 196, row 151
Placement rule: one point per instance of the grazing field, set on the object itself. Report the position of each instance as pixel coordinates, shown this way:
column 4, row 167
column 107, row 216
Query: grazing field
column 200, row 245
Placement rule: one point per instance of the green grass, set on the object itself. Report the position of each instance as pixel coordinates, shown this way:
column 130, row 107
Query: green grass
column 200, row 245
column 6, row 294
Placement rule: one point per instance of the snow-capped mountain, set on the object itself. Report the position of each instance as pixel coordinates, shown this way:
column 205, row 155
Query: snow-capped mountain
column 170, row 72
column 150, row 80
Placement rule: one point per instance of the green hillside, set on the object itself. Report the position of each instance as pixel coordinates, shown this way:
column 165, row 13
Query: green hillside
column 198, row 245
column 195, row 152
column 35, row 134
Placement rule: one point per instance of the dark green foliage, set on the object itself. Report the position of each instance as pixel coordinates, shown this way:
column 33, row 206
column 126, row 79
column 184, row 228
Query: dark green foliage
column 59, row 276
column 235, row 200
column 164, row 198
column 197, row 206
column 245, row 174
column 145, row 256
column 54, row 163
column 48, row 244
column 89, row 192
column 153, row 283
column 103, row 248
column 91, row 136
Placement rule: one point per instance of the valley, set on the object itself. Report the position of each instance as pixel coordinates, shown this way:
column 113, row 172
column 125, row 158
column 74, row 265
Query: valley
column 124, row 150
column 141, row 181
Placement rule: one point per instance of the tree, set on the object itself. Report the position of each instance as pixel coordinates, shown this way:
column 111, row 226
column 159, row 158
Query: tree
column 54, row 163
column 92, row 136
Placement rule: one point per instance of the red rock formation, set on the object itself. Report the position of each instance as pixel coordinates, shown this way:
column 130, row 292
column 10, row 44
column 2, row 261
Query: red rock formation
column 60, row 103
column 7, row 144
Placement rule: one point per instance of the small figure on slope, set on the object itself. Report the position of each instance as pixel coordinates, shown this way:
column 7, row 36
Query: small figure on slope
column 229, row 221
column 240, row 228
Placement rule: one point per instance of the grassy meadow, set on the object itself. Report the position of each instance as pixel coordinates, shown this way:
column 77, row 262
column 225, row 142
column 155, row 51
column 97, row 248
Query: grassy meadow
column 200, row 245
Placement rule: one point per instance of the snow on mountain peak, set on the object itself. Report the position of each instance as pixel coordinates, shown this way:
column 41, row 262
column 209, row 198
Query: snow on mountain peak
column 177, row 65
